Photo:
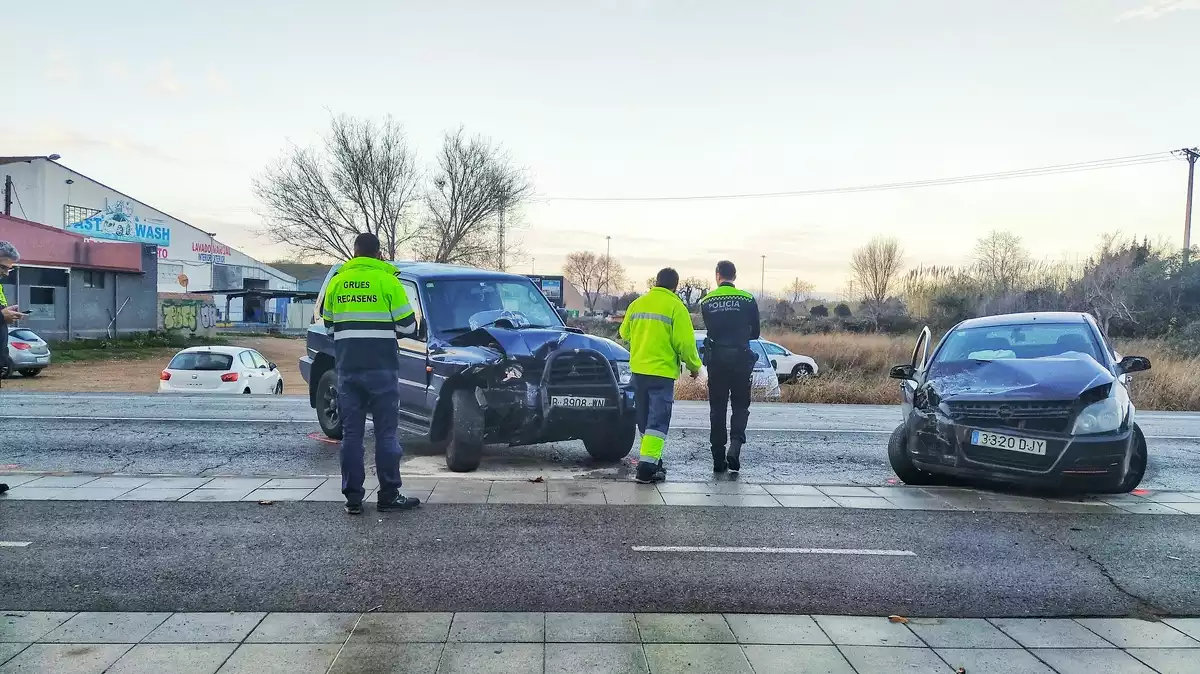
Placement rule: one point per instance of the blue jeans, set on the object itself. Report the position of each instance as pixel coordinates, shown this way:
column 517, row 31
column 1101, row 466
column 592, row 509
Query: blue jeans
column 653, row 399
column 377, row 392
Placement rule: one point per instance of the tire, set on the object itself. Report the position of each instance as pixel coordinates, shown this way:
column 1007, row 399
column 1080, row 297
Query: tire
column 1137, row 465
column 30, row 373
column 464, row 441
column 801, row 371
column 327, row 407
column 611, row 442
column 279, row 388
column 902, row 463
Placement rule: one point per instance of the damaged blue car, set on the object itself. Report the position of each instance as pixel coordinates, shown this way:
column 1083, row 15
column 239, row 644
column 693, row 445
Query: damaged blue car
column 1035, row 399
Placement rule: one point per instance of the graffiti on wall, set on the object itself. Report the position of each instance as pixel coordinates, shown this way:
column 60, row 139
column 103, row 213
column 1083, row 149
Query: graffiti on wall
column 190, row 315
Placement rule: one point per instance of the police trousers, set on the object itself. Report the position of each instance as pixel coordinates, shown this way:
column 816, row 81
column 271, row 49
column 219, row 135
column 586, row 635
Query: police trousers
column 376, row 392
column 653, row 399
column 729, row 382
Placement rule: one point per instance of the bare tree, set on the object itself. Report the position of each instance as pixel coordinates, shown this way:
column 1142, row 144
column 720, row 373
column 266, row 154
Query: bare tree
column 691, row 290
column 876, row 266
column 797, row 290
column 363, row 179
column 474, row 184
column 1001, row 261
column 594, row 275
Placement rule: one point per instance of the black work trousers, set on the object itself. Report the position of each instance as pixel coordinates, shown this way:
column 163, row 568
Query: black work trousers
column 728, row 386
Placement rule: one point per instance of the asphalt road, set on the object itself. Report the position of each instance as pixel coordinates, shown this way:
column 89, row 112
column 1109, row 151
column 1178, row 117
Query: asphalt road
column 821, row 444
column 134, row 556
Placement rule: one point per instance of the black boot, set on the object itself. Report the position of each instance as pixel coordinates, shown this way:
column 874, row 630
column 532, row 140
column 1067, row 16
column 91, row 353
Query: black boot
column 719, row 463
column 397, row 502
column 649, row 473
column 734, row 457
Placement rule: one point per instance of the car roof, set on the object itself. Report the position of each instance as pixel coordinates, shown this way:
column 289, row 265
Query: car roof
column 423, row 271
column 224, row 350
column 1068, row 317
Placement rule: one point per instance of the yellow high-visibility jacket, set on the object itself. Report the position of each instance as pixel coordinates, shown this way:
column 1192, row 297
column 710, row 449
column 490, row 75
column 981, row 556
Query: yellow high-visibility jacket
column 659, row 330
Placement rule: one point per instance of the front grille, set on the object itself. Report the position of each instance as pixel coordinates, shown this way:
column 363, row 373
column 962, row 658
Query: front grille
column 1004, row 457
column 579, row 370
column 1051, row 417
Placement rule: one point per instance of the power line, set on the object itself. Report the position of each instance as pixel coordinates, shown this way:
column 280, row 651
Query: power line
column 17, row 196
column 1116, row 162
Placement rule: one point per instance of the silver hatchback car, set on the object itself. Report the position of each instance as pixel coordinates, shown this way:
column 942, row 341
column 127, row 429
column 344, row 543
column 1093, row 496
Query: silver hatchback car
column 28, row 353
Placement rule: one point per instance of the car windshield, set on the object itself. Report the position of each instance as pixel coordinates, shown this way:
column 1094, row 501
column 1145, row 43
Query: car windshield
column 457, row 306
column 760, row 350
column 201, row 360
column 1022, row 342
column 23, row 335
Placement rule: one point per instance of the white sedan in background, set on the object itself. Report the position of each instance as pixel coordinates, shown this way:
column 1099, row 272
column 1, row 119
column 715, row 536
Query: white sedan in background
column 788, row 365
column 764, row 382
column 220, row 369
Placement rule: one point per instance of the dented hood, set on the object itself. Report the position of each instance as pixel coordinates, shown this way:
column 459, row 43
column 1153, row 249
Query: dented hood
column 1063, row 377
column 538, row 342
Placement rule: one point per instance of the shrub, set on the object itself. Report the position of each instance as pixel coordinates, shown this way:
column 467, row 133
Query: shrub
column 819, row 311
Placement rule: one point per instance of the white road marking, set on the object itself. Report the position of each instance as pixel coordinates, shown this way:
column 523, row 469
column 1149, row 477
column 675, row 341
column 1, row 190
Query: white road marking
column 775, row 551
column 15, row 544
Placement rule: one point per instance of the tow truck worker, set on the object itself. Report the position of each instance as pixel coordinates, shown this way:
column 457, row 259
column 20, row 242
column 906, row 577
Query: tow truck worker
column 366, row 310
column 659, row 331
column 731, row 318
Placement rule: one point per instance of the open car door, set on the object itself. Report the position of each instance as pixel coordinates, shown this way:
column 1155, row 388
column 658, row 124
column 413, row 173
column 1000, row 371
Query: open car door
column 920, row 357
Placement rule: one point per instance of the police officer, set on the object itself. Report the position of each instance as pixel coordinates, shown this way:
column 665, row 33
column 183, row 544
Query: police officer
column 366, row 310
column 659, row 331
column 731, row 317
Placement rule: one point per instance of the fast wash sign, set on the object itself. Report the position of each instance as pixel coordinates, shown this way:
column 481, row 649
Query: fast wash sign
column 118, row 223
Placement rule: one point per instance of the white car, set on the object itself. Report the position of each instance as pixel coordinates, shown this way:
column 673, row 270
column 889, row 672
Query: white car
column 220, row 369
column 764, row 382
column 788, row 365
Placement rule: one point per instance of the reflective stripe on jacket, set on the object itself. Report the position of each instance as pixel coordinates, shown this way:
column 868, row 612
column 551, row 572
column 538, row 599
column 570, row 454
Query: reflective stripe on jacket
column 366, row 310
column 659, row 330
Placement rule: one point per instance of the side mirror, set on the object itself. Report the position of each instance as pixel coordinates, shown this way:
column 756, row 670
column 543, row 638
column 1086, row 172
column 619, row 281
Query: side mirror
column 1131, row 364
column 902, row 372
column 273, row 366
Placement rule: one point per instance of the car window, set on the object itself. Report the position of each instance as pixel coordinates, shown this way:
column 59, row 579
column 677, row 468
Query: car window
column 775, row 349
column 760, row 352
column 259, row 361
column 247, row 359
column 23, row 335
column 201, row 360
column 1024, row 341
column 414, row 299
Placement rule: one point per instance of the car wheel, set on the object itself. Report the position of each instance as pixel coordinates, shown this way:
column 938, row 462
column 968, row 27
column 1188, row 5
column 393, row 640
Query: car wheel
column 30, row 373
column 464, row 444
column 327, row 406
column 1137, row 465
column 279, row 388
column 611, row 442
column 801, row 371
column 902, row 463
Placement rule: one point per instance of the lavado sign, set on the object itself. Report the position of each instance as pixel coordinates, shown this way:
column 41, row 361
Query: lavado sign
column 211, row 252
column 118, row 223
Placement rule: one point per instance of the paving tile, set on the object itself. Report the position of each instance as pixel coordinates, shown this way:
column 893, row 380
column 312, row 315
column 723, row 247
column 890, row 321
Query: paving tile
column 884, row 660
column 205, row 628
column 18, row 479
column 797, row 660
column 866, row 631
column 173, row 658
column 247, row 483
column 804, row 501
column 492, row 659
column 64, row 659
column 281, row 659
column 684, row 628
column 92, row 494
column 277, row 495
column 114, row 481
column 362, row 658
column 303, row 628
column 722, row 487
column 629, row 493
column 596, row 659
column 517, row 492
column 1149, row 508
column 52, row 481
column 1121, row 499
column 1134, row 633
column 994, row 661
column 1091, row 661
column 1094, row 508
column 8, row 651
column 791, row 490
column 697, row 659
column 215, row 495
column 106, row 628
column 960, row 633
column 25, row 493
column 154, row 494
column 498, row 627
column 395, row 628
column 460, row 491
column 690, row 499
column 592, row 628
column 776, row 629
column 1167, row 660
column 918, row 501
column 177, row 482
column 1171, row 497
column 309, row 483
column 413, row 483
column 327, row 494
column 1187, row 508
column 1049, row 633
column 1189, row 626
column 575, row 494
column 29, row 626
column 864, row 502
column 832, row 490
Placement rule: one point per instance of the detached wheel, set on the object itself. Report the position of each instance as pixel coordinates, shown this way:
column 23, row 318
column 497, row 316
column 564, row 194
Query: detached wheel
column 30, row 373
column 902, row 463
column 327, row 406
column 464, row 441
column 1137, row 465
column 611, row 442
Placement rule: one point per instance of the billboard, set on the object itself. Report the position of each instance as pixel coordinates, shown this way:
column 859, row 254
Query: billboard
column 118, row 223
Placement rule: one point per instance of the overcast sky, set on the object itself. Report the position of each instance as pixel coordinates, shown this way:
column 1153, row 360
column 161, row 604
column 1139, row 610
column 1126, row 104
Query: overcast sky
column 181, row 104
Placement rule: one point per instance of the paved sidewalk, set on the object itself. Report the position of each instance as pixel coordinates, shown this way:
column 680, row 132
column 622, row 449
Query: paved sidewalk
column 730, row 493
column 595, row 643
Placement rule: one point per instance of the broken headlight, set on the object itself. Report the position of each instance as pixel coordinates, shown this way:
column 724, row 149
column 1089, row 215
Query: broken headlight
column 624, row 374
column 1104, row 416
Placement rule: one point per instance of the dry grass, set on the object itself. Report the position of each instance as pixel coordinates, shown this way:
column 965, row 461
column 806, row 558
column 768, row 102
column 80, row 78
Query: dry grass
column 854, row 371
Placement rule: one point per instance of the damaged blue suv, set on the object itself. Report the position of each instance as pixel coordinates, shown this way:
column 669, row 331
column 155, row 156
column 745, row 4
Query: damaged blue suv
column 492, row 363
column 1037, row 399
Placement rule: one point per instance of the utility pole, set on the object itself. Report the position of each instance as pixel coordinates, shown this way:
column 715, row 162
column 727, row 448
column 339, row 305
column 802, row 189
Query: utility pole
column 501, row 232
column 8, row 192
column 1191, row 154
column 762, row 280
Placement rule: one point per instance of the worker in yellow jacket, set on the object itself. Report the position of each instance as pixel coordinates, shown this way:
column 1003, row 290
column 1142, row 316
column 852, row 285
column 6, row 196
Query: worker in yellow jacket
column 659, row 331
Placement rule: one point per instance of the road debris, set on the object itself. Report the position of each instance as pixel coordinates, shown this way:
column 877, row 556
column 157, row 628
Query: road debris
column 266, row 503
column 539, row 479
column 898, row 619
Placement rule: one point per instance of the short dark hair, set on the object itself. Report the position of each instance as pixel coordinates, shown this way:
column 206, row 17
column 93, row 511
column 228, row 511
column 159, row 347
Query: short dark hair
column 366, row 245
column 726, row 270
column 667, row 278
